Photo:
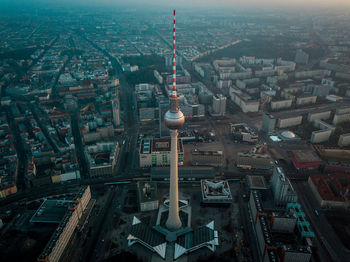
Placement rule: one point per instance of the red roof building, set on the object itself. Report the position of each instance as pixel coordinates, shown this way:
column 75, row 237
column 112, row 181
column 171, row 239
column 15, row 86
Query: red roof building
column 304, row 160
column 331, row 190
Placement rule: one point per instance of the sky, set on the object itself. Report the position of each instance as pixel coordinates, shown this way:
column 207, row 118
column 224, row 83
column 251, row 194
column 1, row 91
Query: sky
column 191, row 4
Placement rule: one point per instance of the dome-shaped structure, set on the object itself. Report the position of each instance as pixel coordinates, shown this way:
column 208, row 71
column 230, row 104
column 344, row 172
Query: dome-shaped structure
column 288, row 134
column 174, row 120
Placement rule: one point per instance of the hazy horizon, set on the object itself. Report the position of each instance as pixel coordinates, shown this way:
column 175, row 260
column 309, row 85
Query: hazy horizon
column 199, row 4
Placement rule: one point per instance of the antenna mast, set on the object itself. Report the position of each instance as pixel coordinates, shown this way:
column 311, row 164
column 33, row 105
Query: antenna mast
column 174, row 94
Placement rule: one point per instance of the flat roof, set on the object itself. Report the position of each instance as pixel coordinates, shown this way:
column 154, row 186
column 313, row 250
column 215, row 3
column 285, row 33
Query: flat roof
column 147, row 234
column 216, row 189
column 206, row 152
column 241, row 127
column 51, row 211
column 275, row 139
column 253, row 155
column 147, row 191
column 256, row 182
column 313, row 109
column 149, row 145
column 306, row 156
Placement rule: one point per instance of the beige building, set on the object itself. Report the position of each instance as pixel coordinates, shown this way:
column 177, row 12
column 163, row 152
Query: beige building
column 62, row 235
column 102, row 158
column 101, row 133
column 305, row 100
column 341, row 118
column 320, row 136
column 244, row 101
column 344, row 140
column 289, row 121
column 318, row 115
column 281, row 104
column 8, row 190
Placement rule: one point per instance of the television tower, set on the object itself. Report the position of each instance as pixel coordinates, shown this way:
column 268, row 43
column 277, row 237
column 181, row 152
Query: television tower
column 174, row 119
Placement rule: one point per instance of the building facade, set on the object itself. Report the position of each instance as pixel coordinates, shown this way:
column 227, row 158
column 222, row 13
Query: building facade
column 268, row 123
column 219, row 105
column 207, row 158
column 282, row 188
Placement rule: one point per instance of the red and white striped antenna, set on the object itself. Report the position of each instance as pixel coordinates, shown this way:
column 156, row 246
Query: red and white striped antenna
column 174, row 94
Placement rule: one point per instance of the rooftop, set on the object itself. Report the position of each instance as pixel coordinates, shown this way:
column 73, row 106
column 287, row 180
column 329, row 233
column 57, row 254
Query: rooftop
column 215, row 189
column 306, row 156
column 241, row 128
column 186, row 240
column 253, row 155
column 205, row 152
column 51, row 211
column 288, row 134
column 333, row 187
column 256, row 182
column 147, row 191
column 149, row 145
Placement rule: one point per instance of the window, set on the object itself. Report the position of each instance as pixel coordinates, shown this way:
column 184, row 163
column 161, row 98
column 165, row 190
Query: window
column 181, row 160
column 154, row 159
column 165, row 159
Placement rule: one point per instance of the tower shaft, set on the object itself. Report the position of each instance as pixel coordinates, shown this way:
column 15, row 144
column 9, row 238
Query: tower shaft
column 173, row 221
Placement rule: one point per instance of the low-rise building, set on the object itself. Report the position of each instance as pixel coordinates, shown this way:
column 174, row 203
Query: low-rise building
column 254, row 161
column 102, row 158
column 344, row 140
column 281, row 104
column 156, row 152
column 216, row 192
column 207, row 158
column 304, row 160
column 243, row 133
column 341, row 117
column 147, row 196
column 320, row 136
column 289, row 121
column 244, row 101
column 331, row 190
column 305, row 100
column 283, row 222
column 257, row 182
column 318, row 115
column 296, row 253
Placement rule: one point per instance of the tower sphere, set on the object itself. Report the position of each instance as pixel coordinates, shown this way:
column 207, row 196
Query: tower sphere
column 174, row 120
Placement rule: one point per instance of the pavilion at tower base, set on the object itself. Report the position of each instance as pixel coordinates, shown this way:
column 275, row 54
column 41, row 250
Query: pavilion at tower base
column 159, row 239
